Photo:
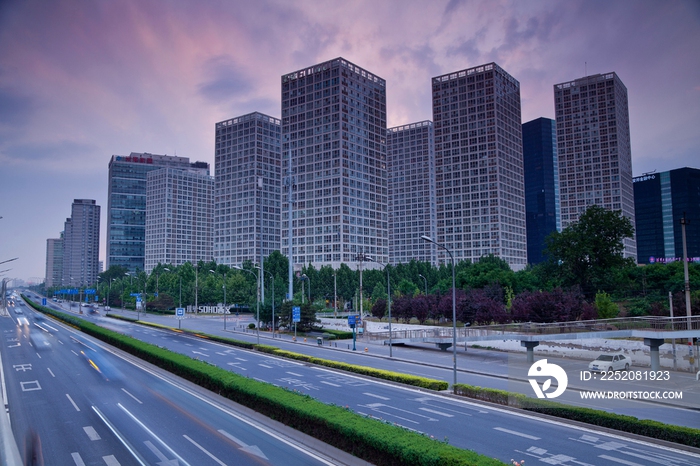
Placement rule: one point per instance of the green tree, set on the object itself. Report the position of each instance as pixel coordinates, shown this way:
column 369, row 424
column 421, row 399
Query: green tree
column 587, row 251
column 607, row 309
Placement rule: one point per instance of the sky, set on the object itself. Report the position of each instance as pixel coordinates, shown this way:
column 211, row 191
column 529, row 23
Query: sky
column 82, row 80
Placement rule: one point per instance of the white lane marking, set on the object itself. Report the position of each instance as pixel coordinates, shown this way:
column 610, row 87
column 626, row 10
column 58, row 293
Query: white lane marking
column 252, row 449
column 159, row 454
column 294, row 374
column 73, row 351
column 204, row 450
column 72, row 402
column 439, row 413
column 152, row 434
column 241, row 359
column 132, row 396
column 376, row 396
column 78, row 460
column 265, row 365
column 111, row 460
column 50, row 372
column 92, row 433
column 331, row 384
column 618, row 460
column 30, row 386
column 514, row 432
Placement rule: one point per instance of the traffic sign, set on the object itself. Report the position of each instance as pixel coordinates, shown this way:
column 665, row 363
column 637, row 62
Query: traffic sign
column 180, row 312
column 296, row 314
column 90, row 291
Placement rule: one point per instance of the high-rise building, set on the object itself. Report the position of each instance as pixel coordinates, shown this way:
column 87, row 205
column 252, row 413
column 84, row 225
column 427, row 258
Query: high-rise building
column 179, row 216
column 593, row 146
column 661, row 200
column 248, row 176
column 541, row 185
column 479, row 165
column 412, row 203
column 126, row 205
column 54, row 261
column 334, row 126
column 81, row 244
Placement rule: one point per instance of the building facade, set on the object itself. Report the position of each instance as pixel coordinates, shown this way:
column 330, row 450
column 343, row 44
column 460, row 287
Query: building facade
column 542, row 208
column 248, row 176
column 593, row 145
column 54, row 262
column 334, row 130
column 179, row 216
column 661, row 200
column 126, row 205
column 81, row 244
column 412, row 201
column 479, row 165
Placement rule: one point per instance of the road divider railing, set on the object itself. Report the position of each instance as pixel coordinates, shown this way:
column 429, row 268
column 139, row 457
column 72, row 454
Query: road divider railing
column 677, row 434
column 374, row 440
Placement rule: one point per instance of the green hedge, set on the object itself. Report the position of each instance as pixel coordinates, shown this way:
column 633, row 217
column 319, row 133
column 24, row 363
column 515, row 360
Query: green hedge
column 654, row 429
column 339, row 334
column 367, row 438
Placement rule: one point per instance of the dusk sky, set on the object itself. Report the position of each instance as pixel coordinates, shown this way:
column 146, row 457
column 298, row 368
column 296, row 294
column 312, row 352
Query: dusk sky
column 82, row 80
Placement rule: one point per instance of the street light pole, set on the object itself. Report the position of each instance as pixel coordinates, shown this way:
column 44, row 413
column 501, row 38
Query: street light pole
column 426, row 283
column 272, row 279
column 335, row 294
column 223, row 275
column 454, row 309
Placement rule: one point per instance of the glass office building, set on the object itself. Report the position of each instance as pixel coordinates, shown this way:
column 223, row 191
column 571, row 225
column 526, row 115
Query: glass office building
column 541, row 185
column 479, row 165
column 412, row 203
column 126, row 206
column 661, row 200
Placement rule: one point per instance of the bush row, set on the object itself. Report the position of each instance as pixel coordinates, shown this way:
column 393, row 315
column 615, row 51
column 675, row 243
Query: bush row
column 367, row 438
column 654, row 429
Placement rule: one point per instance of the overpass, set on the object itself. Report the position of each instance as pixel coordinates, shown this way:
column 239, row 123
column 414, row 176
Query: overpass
column 654, row 331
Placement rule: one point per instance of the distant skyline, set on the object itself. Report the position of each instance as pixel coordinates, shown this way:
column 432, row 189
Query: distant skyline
column 81, row 81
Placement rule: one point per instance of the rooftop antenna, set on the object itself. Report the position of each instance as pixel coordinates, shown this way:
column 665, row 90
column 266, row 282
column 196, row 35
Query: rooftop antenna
column 585, row 68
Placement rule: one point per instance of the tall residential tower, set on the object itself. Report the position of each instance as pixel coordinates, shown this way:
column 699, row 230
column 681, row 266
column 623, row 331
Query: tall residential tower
column 81, row 244
column 593, row 145
column 179, row 216
column 412, row 204
column 479, row 165
column 334, row 126
column 247, row 189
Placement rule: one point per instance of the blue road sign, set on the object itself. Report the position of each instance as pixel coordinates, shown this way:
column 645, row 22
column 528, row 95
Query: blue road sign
column 296, row 314
column 180, row 312
column 135, row 294
column 90, row 291
column 43, row 301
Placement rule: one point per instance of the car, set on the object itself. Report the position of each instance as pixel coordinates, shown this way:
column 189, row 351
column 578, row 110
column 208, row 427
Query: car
column 610, row 362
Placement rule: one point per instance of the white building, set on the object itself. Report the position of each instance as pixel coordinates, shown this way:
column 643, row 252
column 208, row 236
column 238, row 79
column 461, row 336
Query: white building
column 479, row 165
column 247, row 189
column 179, row 216
column 412, row 201
column 334, row 125
column 595, row 158
column 81, row 244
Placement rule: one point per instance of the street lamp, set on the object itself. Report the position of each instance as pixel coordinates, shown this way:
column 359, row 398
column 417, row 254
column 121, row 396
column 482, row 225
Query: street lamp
column 304, row 277
column 257, row 286
column 388, row 298
column 426, row 283
column 454, row 308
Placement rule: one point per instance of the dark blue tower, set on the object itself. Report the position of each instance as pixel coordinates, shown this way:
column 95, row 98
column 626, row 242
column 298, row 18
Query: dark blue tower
column 541, row 185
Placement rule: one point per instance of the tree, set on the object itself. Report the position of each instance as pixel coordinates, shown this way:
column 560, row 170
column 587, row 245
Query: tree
column 606, row 308
column 587, row 251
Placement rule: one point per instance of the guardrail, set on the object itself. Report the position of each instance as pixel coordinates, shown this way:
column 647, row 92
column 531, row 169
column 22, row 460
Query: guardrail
column 533, row 328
